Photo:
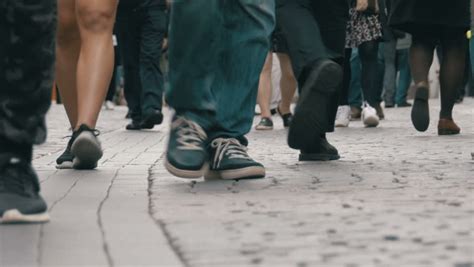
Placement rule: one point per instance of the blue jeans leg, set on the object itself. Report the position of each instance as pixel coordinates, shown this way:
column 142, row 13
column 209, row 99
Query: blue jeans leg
column 216, row 55
column 355, row 89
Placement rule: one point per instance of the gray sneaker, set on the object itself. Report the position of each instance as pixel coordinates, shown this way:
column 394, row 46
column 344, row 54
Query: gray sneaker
column 86, row 149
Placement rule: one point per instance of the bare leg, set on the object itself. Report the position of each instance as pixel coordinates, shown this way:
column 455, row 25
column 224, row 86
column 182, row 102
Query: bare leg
column 95, row 65
column 287, row 83
column 68, row 45
column 265, row 88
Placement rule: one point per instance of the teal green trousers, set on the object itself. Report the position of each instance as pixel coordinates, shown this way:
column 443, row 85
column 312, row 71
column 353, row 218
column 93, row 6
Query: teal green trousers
column 217, row 51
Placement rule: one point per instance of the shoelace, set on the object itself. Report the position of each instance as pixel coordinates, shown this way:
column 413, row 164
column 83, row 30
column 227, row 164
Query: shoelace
column 230, row 147
column 190, row 134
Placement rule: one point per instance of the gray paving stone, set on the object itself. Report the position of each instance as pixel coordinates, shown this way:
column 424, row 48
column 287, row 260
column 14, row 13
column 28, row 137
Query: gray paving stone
column 396, row 198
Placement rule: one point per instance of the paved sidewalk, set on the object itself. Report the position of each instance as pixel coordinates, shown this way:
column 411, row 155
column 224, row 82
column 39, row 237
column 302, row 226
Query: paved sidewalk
column 396, row 198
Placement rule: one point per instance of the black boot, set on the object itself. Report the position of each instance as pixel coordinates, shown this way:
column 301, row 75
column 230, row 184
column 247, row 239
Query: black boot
column 320, row 150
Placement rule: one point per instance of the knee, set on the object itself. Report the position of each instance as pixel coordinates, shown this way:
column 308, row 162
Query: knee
column 96, row 21
column 68, row 31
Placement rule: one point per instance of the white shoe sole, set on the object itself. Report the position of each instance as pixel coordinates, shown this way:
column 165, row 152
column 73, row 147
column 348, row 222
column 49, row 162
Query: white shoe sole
column 15, row 216
column 263, row 128
column 65, row 165
column 186, row 174
column 253, row 172
column 341, row 125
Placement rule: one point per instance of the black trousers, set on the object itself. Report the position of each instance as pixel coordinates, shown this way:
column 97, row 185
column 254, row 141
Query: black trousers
column 140, row 34
column 314, row 29
column 26, row 72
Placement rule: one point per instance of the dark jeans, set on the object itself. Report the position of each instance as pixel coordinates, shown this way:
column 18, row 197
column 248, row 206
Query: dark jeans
column 217, row 51
column 471, row 51
column 26, row 72
column 370, row 77
column 113, row 82
column 314, row 29
column 140, row 34
column 396, row 61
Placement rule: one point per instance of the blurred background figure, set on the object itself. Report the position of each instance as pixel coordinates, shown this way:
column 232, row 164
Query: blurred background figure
column 287, row 84
column 431, row 24
column 141, row 28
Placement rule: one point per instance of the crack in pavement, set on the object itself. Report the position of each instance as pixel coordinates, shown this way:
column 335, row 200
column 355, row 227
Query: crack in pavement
column 39, row 259
column 160, row 223
column 105, row 246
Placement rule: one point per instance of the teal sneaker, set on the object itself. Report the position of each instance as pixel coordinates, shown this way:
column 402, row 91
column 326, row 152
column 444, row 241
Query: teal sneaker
column 186, row 156
column 230, row 161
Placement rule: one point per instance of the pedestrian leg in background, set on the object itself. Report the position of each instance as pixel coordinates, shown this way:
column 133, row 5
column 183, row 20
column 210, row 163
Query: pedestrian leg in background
column 111, row 92
column 355, row 88
column 128, row 36
column 471, row 51
column 288, row 88
column 343, row 116
column 153, row 29
column 390, row 76
column 214, row 100
column 84, row 67
column 265, row 95
column 27, row 49
column 404, row 78
column 315, row 31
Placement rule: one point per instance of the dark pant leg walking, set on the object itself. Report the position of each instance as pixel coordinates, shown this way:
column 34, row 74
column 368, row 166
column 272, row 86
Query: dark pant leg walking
column 245, row 42
column 128, row 37
column 315, row 31
column 368, row 55
column 27, row 30
column 390, row 76
column 153, row 29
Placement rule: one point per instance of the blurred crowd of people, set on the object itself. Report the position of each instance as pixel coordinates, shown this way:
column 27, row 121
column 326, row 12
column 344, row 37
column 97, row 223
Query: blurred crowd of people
column 318, row 64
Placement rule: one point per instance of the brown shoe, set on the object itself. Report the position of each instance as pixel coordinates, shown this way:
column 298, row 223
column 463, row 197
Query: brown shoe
column 356, row 112
column 379, row 110
column 447, row 127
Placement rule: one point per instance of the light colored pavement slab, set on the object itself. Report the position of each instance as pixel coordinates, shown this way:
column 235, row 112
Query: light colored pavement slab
column 396, row 198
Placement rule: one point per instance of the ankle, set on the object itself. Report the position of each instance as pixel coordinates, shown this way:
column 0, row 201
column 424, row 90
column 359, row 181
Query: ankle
column 284, row 109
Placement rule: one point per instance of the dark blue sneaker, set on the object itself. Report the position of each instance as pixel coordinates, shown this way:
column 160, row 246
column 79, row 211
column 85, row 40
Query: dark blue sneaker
column 186, row 156
column 64, row 161
column 20, row 201
column 230, row 161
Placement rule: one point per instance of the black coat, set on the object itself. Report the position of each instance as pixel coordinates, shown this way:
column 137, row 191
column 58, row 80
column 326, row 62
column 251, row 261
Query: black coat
column 408, row 14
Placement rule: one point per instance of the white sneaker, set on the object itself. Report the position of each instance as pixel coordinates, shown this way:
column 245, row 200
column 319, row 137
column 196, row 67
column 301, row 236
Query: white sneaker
column 343, row 116
column 109, row 105
column 369, row 116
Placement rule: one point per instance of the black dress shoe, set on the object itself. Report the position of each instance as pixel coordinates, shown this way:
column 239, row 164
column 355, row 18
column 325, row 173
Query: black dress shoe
column 420, row 112
column 287, row 118
column 310, row 118
column 133, row 126
column 150, row 120
column 322, row 150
